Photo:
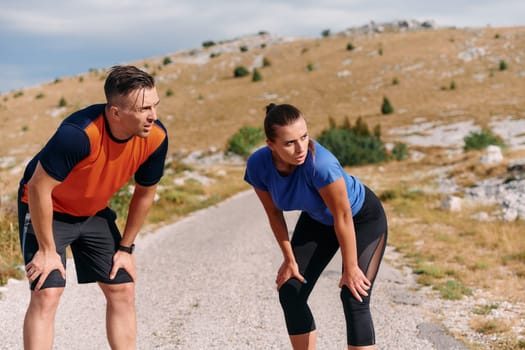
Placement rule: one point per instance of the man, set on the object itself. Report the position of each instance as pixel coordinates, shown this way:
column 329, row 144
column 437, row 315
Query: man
column 63, row 200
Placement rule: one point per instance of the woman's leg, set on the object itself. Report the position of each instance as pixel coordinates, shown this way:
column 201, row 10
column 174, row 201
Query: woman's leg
column 314, row 245
column 371, row 236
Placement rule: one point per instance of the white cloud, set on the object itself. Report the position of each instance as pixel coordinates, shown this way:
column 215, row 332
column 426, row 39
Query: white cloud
column 95, row 33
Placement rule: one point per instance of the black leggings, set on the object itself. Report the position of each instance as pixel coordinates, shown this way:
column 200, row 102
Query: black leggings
column 314, row 245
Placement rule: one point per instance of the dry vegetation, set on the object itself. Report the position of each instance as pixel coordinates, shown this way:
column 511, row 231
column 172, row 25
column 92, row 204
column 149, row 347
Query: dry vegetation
column 209, row 105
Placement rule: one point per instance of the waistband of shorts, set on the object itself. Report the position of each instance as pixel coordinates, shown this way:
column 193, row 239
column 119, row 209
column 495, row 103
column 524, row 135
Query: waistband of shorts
column 72, row 219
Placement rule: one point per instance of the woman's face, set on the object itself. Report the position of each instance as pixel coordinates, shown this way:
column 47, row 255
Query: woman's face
column 291, row 143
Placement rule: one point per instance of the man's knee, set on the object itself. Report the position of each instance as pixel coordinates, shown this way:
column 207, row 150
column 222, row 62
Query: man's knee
column 46, row 300
column 123, row 293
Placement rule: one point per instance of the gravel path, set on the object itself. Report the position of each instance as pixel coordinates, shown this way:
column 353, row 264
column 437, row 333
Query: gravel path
column 207, row 282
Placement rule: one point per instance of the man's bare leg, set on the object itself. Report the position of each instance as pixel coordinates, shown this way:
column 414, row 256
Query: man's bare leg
column 39, row 321
column 121, row 319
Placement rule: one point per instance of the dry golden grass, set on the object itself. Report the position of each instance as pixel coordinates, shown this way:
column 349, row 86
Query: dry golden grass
column 209, row 105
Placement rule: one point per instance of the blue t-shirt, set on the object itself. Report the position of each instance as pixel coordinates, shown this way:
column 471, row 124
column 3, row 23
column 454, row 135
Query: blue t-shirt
column 300, row 189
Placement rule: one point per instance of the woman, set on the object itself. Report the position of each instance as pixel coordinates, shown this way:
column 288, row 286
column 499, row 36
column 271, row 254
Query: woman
column 296, row 173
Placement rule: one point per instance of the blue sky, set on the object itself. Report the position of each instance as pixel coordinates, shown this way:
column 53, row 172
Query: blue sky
column 44, row 40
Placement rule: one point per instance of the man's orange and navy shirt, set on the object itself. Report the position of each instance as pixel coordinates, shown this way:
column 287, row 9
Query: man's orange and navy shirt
column 92, row 165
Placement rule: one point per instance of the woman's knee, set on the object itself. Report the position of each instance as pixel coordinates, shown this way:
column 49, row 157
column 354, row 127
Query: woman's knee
column 290, row 293
column 351, row 305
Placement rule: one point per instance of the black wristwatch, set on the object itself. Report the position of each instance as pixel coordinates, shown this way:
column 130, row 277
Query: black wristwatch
column 128, row 250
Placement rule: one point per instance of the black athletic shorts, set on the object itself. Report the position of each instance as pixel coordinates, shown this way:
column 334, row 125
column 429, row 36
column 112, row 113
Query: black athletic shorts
column 93, row 241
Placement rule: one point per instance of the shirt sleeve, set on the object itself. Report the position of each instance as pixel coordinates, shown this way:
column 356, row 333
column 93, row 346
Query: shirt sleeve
column 326, row 168
column 66, row 148
column 254, row 169
column 151, row 171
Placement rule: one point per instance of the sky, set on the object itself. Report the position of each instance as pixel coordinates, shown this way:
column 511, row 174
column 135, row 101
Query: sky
column 44, row 40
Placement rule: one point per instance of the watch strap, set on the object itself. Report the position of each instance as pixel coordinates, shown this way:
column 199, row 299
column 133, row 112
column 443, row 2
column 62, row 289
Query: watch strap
column 128, row 250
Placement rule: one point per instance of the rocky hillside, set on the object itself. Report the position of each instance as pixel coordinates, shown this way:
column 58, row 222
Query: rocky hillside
column 442, row 82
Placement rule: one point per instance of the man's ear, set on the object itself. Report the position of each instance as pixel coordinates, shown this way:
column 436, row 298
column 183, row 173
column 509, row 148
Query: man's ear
column 113, row 112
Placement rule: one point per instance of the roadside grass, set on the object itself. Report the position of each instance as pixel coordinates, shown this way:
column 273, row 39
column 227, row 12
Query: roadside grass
column 176, row 201
column 454, row 252
column 10, row 256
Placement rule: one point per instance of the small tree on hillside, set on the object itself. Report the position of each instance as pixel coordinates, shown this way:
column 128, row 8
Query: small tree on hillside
column 256, row 75
column 503, row 65
column 386, row 107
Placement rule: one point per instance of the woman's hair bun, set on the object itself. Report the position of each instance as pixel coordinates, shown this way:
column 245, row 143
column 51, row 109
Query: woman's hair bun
column 270, row 107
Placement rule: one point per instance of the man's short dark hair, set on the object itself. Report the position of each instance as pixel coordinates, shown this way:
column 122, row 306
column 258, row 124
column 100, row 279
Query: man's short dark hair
column 122, row 80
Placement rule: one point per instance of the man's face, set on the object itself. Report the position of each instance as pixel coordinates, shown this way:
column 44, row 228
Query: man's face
column 138, row 112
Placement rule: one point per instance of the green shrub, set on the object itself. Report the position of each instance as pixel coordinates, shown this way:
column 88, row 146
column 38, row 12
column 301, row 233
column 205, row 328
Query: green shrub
column 62, row 102
column 353, row 145
column 266, row 62
column 256, row 75
column 386, row 106
column 166, row 61
column 169, row 92
column 310, row 67
column 481, row 139
column 395, row 81
column 350, row 47
column 208, row 43
column 245, row 140
column 325, row 33
column 400, row 151
column 40, row 95
column 503, row 65
column 243, row 48
column 240, row 71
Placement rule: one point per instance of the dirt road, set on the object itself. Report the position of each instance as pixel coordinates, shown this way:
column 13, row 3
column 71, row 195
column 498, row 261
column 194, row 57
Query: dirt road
column 207, row 282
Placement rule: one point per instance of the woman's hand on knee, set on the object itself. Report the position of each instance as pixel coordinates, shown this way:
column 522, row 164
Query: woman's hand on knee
column 356, row 282
column 288, row 269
